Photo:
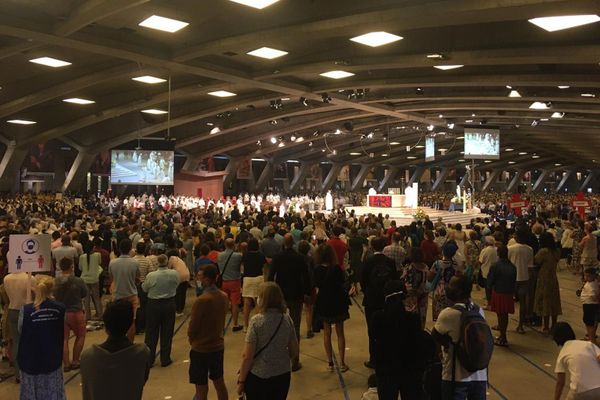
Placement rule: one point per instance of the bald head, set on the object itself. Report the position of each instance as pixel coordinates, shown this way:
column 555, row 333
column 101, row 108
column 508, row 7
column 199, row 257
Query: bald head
column 288, row 241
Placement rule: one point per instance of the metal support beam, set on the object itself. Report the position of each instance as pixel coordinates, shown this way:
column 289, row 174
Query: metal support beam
column 360, row 178
column 191, row 164
column 331, row 177
column 300, row 176
column 441, row 178
column 389, row 176
column 564, row 180
column 491, row 179
column 515, row 181
column 587, row 181
column 265, row 176
column 10, row 166
column 416, row 176
column 78, row 172
column 539, row 183
column 231, row 170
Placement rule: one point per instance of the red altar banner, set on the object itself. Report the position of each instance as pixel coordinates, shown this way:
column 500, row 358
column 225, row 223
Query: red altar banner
column 380, row 201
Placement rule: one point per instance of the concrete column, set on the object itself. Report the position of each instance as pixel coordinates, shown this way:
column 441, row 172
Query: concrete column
column 587, row 181
column 300, row 177
column 10, row 167
column 493, row 176
column 78, row 172
column 539, row 183
column 441, row 178
column 331, row 177
column 360, row 178
column 416, row 176
column 389, row 176
column 265, row 176
column 514, row 181
column 564, row 180
column 231, row 170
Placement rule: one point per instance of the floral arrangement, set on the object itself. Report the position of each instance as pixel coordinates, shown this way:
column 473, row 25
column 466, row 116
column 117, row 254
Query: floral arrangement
column 456, row 200
column 420, row 215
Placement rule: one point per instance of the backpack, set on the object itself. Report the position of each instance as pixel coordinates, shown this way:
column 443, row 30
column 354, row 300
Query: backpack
column 380, row 275
column 475, row 343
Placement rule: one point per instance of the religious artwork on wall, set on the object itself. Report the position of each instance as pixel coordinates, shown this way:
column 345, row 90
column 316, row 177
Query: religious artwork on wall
column 41, row 157
column 280, row 171
column 344, row 174
column 315, row 172
column 101, row 165
column 451, row 176
column 244, row 169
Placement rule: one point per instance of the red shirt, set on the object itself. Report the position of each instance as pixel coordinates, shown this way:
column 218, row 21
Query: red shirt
column 430, row 251
column 340, row 249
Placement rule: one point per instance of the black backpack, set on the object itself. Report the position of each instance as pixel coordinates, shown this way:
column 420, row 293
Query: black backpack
column 475, row 343
column 380, row 275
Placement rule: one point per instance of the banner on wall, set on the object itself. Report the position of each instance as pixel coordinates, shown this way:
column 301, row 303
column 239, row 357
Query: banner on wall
column 29, row 253
column 41, row 158
column 344, row 174
column 244, row 169
column 315, row 172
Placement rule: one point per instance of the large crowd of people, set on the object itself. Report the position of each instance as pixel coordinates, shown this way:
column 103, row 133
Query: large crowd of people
column 137, row 260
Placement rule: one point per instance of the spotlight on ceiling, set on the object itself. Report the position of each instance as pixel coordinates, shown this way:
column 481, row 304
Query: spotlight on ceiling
column 419, row 91
column 214, row 130
column 293, row 138
column 430, row 128
column 303, row 101
column 273, row 122
column 259, row 143
column 451, row 125
column 514, row 93
column 310, row 144
column 325, row 98
column 299, row 139
column 370, row 135
column 273, row 140
column 558, row 114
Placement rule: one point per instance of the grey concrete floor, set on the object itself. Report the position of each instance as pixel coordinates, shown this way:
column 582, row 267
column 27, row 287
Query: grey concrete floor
column 523, row 370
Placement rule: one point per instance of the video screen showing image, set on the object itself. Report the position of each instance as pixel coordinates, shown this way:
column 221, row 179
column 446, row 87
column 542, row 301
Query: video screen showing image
column 429, row 149
column 482, row 143
column 141, row 167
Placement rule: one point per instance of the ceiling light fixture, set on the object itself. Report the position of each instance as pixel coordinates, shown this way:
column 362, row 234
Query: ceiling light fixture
column 514, row 93
column 430, row 128
column 508, row 87
column 281, row 144
column 20, row 122
column 163, row 24
column 355, row 154
column 376, row 39
column 468, row 121
column 394, row 143
column 451, row 125
column 557, row 165
column 435, row 56
column 300, row 139
column 509, row 149
column 558, row 115
column 222, row 93
column 523, row 153
column 512, row 162
column 447, row 67
column 588, row 95
column 267, row 52
column 149, row 79
column 535, row 156
column 538, row 105
column 461, row 160
column 155, row 111
column 273, row 140
column 411, row 157
column 214, row 130
column 337, row 74
column 50, row 62
column 77, row 100
column 487, row 161
column 258, row 4
column 553, row 24
column 564, row 87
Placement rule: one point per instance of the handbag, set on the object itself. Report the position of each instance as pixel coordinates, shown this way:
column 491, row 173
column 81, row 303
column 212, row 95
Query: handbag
column 219, row 281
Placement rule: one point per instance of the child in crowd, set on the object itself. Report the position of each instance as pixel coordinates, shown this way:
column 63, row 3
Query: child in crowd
column 590, row 297
column 371, row 394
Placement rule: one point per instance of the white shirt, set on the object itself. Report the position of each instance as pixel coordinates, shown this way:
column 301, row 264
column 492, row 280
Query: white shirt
column 487, row 257
column 448, row 322
column 590, row 292
column 580, row 358
column 521, row 256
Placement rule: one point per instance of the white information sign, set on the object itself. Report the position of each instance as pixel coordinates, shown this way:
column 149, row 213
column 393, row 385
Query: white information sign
column 29, row 253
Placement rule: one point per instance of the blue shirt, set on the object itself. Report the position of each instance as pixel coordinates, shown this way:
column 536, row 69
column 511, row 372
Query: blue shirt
column 161, row 284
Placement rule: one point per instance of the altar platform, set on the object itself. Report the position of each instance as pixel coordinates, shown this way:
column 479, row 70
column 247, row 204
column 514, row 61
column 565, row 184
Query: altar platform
column 404, row 216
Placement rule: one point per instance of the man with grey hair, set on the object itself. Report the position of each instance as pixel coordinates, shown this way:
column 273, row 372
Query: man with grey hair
column 487, row 257
column 161, row 286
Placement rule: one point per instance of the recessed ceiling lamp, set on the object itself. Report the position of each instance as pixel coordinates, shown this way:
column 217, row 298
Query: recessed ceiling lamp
column 487, row 161
column 163, row 24
column 461, row 160
column 154, row 111
column 411, row 158
column 267, row 52
column 588, row 95
column 222, row 93
column 394, row 143
column 281, row 144
column 149, row 79
column 258, row 4
column 76, row 100
column 523, row 153
column 441, row 116
column 468, row 121
column 557, row 165
column 337, row 74
column 512, row 162
column 451, row 125
column 564, row 87
column 419, row 146
column 214, row 130
column 509, row 149
column 460, row 137
column 558, row 115
column 355, row 154
column 376, row 39
column 435, row 56
column 535, row 156
column 50, row 62
column 552, row 24
column 300, row 139
column 273, row 140
column 544, row 119
column 514, row 93
column 20, row 122
column 508, row 87
column 538, row 105
column 447, row 67
column 293, row 138
column 430, row 128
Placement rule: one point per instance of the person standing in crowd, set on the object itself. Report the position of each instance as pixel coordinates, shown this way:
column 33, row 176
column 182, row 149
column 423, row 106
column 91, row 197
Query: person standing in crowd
column 547, row 295
column 332, row 302
column 144, row 267
column 377, row 271
column 500, row 283
column 395, row 251
column 396, row 335
column 65, row 250
column 521, row 255
column 340, row 247
column 205, row 334
column 90, row 265
column 125, row 274
column 200, row 262
column 589, row 248
column 161, row 286
column 18, row 286
column 270, row 247
column 581, row 359
column 230, row 268
column 70, row 291
column 176, row 263
column 429, row 248
column 103, row 281
column 357, row 247
column 414, row 278
column 116, row 369
column 457, row 382
column 472, row 250
column 590, row 298
column 439, row 277
column 487, row 257
column 290, row 272
column 270, row 348
column 41, row 346
column 253, row 262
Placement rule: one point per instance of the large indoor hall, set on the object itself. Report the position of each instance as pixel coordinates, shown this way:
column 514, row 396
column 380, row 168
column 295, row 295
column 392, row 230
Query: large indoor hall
column 299, row 199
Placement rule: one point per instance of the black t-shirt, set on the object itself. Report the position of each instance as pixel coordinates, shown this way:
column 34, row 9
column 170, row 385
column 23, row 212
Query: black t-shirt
column 253, row 264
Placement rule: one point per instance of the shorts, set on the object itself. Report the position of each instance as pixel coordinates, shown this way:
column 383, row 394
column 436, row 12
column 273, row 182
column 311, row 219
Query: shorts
column 204, row 366
column 590, row 314
column 233, row 290
column 251, row 285
column 75, row 321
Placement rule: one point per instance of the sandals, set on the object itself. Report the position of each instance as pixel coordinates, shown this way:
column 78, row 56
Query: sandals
column 500, row 342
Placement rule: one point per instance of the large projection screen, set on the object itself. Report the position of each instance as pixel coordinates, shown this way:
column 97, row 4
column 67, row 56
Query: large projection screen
column 482, row 143
column 429, row 148
column 141, row 167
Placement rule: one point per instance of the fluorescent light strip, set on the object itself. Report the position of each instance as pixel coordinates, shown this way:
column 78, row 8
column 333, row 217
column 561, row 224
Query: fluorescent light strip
column 557, row 23
column 50, row 62
column 149, row 79
column 20, row 122
column 267, row 52
column 258, row 4
column 222, row 93
column 337, row 74
column 376, row 39
column 447, row 67
column 564, row 87
column 155, row 111
column 355, row 154
column 163, row 24
column 588, row 95
column 77, row 100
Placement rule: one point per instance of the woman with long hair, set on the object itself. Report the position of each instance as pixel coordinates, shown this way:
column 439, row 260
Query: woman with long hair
column 270, row 347
column 547, row 293
column 41, row 345
column 332, row 302
column 89, row 264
